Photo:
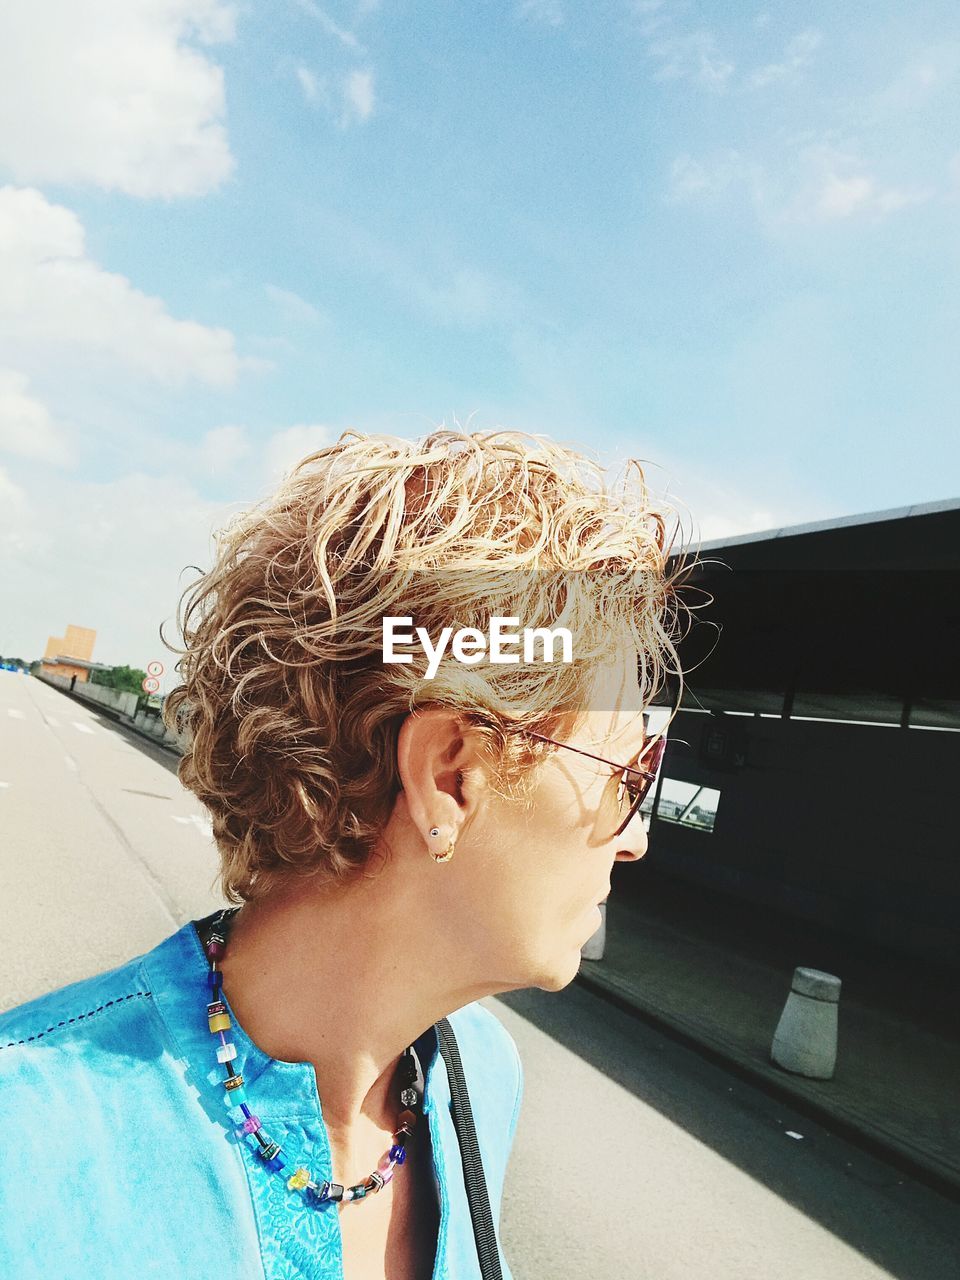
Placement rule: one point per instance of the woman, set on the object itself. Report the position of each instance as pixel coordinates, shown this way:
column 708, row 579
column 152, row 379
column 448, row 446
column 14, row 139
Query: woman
column 398, row 847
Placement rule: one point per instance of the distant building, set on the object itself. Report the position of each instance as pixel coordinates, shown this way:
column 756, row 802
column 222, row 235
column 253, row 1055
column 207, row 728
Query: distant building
column 71, row 654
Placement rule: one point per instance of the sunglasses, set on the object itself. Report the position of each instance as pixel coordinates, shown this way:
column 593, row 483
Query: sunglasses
column 634, row 783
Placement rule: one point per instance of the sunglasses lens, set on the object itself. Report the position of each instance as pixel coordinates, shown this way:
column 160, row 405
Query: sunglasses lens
column 633, row 790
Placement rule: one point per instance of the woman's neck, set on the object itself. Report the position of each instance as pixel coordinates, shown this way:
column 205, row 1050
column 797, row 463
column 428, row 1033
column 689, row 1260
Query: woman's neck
column 344, row 979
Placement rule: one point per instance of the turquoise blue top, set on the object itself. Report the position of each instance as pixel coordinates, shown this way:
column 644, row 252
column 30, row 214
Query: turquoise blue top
column 120, row 1157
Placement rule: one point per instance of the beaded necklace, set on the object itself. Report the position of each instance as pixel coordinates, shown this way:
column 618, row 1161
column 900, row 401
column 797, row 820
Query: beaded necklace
column 409, row 1078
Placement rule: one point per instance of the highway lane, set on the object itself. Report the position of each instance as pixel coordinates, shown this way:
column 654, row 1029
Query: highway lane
column 102, row 852
column 634, row 1157
column 637, row 1158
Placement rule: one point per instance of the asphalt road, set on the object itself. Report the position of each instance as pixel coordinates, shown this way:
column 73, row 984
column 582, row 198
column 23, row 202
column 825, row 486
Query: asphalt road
column 634, row 1157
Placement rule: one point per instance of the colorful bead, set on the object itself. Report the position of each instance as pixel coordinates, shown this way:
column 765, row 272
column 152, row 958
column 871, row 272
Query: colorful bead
column 347, row 1194
column 397, row 1153
column 326, row 1193
column 298, row 1179
column 214, row 949
column 213, row 978
column 235, row 1092
column 358, row 1192
column 270, row 1155
column 376, row 1182
column 387, row 1174
column 226, row 1052
column 251, row 1124
column 220, row 1022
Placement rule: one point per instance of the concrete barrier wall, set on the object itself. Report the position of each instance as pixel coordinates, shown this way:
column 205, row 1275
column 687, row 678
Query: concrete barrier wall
column 123, row 704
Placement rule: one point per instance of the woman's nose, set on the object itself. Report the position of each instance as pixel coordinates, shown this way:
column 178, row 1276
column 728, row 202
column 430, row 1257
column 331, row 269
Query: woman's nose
column 633, row 842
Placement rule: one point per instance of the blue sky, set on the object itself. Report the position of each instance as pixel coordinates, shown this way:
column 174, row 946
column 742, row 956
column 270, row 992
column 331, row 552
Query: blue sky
column 723, row 239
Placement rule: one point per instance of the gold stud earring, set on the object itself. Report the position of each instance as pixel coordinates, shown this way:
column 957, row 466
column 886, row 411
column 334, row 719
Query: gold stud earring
column 447, row 853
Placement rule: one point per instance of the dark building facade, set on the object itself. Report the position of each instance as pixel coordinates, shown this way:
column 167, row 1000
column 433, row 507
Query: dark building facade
column 813, row 767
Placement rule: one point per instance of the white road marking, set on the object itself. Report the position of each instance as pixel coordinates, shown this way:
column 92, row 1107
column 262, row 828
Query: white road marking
column 203, row 825
column 16, row 713
column 84, row 728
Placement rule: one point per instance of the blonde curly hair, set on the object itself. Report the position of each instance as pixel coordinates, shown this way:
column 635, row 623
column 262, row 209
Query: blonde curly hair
column 289, row 713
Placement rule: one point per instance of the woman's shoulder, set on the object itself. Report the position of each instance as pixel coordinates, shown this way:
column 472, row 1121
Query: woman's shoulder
column 492, row 1064
column 478, row 1028
column 68, row 1012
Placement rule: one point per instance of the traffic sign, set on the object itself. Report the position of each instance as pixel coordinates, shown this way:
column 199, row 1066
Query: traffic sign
column 150, row 685
column 154, row 668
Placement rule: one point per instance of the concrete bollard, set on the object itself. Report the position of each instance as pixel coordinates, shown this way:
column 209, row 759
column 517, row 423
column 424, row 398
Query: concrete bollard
column 805, row 1041
column 592, row 949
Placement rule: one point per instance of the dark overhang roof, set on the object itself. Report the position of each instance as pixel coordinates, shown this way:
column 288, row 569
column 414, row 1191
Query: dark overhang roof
column 868, row 602
column 841, row 522
column 922, row 536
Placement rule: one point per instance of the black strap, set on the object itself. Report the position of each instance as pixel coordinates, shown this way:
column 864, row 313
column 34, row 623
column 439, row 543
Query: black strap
column 476, row 1184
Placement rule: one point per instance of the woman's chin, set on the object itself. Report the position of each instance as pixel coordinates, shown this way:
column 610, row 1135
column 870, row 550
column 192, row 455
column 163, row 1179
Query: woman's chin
column 562, row 973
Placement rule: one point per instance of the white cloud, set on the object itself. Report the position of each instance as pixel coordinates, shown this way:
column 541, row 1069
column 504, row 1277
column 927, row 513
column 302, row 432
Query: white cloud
column 112, row 93
column 285, row 448
column 929, row 72
column 698, row 179
column 712, row 525
column 698, row 506
column 54, row 297
column 292, row 306
column 222, row 448
column 348, row 98
column 105, row 555
column 839, row 197
column 651, row 14
column 692, row 56
column 13, row 506
column 796, row 56
column 332, row 28
column 308, row 83
column 454, row 292
column 833, row 184
column 467, row 297
column 27, row 428
column 548, row 12
column 819, row 184
column 358, row 96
